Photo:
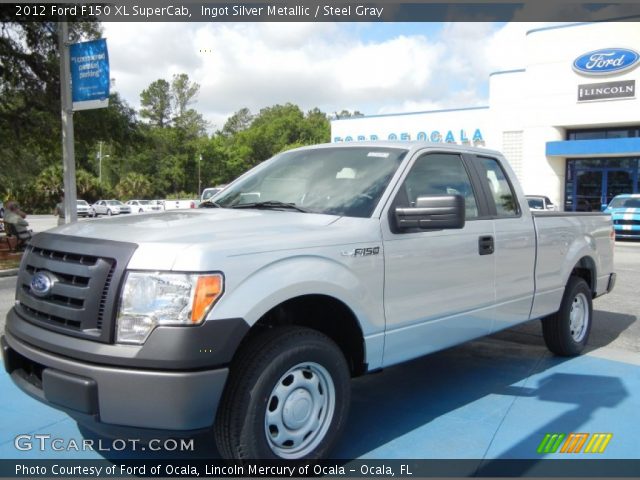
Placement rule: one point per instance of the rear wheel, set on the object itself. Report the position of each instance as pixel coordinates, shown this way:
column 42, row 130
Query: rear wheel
column 287, row 397
column 566, row 332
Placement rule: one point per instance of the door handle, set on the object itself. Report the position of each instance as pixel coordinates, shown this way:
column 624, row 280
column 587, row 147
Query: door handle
column 486, row 245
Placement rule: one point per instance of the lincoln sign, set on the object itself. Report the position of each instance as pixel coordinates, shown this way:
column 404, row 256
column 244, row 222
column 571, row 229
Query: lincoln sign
column 607, row 91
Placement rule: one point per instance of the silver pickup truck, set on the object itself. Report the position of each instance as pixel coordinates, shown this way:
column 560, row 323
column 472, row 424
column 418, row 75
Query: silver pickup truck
column 321, row 264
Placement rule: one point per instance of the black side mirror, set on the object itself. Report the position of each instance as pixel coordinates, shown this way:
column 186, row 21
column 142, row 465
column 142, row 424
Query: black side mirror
column 434, row 212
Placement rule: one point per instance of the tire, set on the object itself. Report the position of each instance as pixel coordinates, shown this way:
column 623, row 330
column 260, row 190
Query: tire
column 140, row 211
column 257, row 407
column 109, row 212
column 566, row 332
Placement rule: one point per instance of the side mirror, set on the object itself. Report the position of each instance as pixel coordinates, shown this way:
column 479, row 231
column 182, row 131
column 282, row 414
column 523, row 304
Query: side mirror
column 435, row 212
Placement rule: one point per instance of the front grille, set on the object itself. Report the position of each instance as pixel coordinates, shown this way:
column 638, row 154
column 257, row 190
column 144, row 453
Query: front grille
column 626, row 222
column 86, row 274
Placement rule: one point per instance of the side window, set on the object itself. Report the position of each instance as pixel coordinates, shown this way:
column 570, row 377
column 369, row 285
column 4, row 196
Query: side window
column 503, row 196
column 438, row 174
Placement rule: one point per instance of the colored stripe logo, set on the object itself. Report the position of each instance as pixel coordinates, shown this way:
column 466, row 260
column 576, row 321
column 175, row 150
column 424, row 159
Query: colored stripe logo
column 574, row 442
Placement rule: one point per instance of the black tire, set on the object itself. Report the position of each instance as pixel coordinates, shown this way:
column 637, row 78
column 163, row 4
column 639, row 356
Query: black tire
column 258, row 378
column 109, row 212
column 561, row 336
column 140, row 211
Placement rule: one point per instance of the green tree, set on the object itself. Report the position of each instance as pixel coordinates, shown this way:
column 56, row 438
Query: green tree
column 156, row 103
column 239, row 121
column 183, row 93
column 30, row 96
column 134, row 185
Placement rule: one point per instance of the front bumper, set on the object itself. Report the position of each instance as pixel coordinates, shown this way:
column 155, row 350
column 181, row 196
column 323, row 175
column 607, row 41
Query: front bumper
column 114, row 396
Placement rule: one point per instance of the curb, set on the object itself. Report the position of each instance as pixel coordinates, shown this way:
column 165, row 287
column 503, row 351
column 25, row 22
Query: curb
column 10, row 272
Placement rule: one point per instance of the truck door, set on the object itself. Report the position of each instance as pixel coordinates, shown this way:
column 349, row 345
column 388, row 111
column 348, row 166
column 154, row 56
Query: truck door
column 515, row 247
column 439, row 284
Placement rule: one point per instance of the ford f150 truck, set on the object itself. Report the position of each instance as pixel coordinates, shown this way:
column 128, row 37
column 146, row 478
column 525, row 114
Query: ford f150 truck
column 323, row 263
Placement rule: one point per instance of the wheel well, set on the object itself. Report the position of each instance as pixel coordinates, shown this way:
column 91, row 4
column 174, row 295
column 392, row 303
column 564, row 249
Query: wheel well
column 586, row 269
column 322, row 313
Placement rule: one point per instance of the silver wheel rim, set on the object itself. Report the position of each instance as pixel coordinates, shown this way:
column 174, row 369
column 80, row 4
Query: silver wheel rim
column 579, row 317
column 299, row 410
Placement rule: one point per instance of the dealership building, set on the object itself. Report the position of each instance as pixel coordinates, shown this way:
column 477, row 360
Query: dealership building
column 568, row 121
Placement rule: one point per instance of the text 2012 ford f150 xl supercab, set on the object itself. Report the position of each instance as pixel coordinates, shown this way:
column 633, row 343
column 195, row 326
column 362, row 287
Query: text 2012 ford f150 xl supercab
column 320, row 264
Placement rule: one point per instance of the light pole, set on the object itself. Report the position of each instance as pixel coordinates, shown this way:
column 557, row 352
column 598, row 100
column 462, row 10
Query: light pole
column 100, row 157
column 199, row 182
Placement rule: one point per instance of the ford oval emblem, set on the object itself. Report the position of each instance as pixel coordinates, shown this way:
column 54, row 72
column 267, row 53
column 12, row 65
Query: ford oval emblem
column 42, row 283
column 606, row 61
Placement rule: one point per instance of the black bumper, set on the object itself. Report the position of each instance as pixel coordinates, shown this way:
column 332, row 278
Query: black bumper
column 172, row 382
column 103, row 396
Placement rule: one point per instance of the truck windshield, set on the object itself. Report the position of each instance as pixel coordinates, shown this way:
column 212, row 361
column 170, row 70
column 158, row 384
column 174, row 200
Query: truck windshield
column 335, row 181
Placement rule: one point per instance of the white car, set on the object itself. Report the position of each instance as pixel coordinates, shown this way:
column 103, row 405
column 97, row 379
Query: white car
column 110, row 207
column 83, row 209
column 141, row 206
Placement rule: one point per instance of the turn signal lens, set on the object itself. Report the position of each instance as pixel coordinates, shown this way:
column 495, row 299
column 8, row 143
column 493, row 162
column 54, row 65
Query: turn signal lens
column 208, row 290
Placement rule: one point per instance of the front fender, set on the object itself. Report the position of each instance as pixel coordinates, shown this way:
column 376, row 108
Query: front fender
column 360, row 289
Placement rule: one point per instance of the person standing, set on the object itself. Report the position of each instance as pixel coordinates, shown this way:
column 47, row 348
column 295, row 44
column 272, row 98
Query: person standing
column 16, row 217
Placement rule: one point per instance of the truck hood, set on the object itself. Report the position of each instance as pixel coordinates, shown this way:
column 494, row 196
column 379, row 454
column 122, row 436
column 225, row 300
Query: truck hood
column 197, row 226
column 165, row 237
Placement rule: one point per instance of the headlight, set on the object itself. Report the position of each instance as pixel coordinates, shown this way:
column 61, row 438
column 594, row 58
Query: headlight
column 150, row 299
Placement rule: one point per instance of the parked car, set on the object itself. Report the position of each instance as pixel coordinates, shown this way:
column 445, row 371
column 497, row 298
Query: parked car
column 83, row 209
column 207, row 193
column 140, row 206
column 540, row 202
column 179, row 204
column 110, row 207
column 356, row 257
column 625, row 213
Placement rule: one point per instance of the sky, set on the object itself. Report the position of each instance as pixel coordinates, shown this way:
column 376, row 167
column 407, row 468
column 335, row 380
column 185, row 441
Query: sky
column 374, row 68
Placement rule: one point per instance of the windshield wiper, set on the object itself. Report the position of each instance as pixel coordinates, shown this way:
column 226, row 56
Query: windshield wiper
column 271, row 204
column 209, row 204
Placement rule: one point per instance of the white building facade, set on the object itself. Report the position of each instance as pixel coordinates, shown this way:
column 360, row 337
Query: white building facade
column 568, row 121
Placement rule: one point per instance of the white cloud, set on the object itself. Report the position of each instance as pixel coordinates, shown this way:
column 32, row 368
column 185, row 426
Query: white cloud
column 326, row 65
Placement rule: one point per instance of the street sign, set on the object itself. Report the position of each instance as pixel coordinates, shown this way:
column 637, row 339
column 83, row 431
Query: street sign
column 90, row 74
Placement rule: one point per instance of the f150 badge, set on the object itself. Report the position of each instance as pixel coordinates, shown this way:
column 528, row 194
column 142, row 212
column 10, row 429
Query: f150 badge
column 361, row 252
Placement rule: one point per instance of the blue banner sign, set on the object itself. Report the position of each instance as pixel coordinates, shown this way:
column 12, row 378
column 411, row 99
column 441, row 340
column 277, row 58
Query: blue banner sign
column 606, row 61
column 90, row 74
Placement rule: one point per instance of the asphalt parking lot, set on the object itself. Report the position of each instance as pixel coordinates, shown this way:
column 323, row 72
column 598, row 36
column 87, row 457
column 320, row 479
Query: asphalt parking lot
column 494, row 398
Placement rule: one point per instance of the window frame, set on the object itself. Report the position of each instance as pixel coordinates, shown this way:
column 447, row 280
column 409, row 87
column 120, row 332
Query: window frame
column 476, row 162
column 484, row 212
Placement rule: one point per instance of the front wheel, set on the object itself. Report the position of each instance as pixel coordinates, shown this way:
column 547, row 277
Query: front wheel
column 109, row 213
column 287, row 397
column 566, row 332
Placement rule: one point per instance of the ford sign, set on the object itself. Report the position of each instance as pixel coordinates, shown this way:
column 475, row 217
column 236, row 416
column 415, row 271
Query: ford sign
column 606, row 61
column 42, row 283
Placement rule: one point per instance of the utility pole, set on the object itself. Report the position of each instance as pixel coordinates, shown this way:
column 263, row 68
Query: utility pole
column 66, row 111
column 199, row 182
column 100, row 157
